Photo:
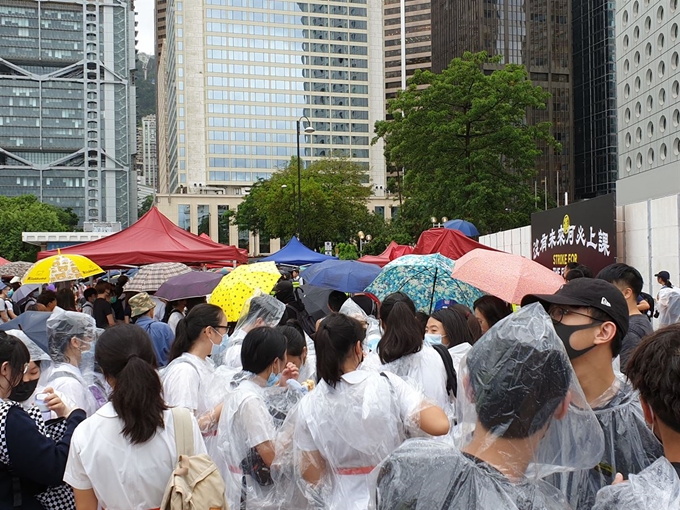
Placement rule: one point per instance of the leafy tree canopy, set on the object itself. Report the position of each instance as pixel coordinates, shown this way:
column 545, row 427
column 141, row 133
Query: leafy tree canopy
column 463, row 139
column 27, row 214
column 334, row 199
column 146, row 206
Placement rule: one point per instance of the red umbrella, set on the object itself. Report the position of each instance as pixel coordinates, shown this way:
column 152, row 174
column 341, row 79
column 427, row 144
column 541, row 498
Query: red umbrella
column 507, row 276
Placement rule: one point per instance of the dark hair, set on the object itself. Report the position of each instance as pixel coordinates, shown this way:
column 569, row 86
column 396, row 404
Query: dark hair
column 515, row 400
column 261, row 347
column 189, row 328
column 89, row 292
column 422, row 319
column 654, row 370
column 125, row 353
column 16, row 354
column 195, row 301
column 336, row 299
column 472, row 322
column 46, row 297
column 624, row 274
column 170, row 308
column 103, row 287
column 403, row 334
column 335, row 339
column 364, row 302
column 617, row 341
column 295, row 341
column 455, row 325
column 295, row 325
column 66, row 299
column 571, row 265
column 580, row 271
column 492, row 308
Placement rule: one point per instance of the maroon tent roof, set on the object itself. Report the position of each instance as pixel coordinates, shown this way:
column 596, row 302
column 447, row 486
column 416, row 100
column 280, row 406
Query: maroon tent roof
column 450, row 243
column 392, row 252
column 154, row 238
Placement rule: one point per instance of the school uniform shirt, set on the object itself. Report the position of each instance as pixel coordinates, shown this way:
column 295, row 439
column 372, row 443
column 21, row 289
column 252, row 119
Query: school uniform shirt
column 69, row 382
column 186, row 381
column 354, row 426
column 174, row 319
column 123, row 476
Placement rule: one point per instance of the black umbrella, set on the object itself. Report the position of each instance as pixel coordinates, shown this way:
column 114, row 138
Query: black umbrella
column 34, row 324
column 315, row 300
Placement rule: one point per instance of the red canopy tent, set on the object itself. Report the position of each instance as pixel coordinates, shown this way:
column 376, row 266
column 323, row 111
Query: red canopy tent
column 392, row 252
column 3, row 261
column 450, row 243
column 154, row 238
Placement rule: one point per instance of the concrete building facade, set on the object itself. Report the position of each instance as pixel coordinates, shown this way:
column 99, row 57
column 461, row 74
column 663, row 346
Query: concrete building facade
column 67, row 105
column 149, row 152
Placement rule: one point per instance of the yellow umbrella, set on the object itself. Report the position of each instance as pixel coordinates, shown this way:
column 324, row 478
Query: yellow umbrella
column 239, row 285
column 61, row 268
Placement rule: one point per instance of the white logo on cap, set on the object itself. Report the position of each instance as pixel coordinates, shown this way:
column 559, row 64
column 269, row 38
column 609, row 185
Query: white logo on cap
column 605, row 302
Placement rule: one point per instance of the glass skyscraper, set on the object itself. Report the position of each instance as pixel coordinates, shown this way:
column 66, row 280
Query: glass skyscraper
column 238, row 74
column 67, row 105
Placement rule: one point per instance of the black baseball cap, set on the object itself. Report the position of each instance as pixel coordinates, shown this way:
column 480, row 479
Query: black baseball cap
column 665, row 275
column 588, row 292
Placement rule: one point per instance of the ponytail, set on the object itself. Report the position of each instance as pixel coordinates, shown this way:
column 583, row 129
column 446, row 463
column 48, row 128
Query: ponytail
column 336, row 337
column 125, row 353
column 189, row 328
column 403, row 334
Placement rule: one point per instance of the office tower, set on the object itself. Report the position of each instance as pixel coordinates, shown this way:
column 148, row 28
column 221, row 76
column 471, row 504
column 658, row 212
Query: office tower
column 235, row 76
column 648, row 86
column 595, row 158
column 407, row 42
column 149, row 154
column 67, row 105
column 534, row 34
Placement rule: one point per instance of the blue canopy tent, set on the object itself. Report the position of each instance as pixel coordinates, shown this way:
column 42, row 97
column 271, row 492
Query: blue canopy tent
column 296, row 254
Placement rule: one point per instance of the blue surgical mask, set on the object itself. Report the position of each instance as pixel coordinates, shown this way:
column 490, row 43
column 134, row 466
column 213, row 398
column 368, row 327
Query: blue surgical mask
column 218, row 349
column 433, row 339
column 10, row 293
column 273, row 379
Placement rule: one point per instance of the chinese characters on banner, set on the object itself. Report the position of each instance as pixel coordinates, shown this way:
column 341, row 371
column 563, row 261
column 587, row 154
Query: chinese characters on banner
column 584, row 232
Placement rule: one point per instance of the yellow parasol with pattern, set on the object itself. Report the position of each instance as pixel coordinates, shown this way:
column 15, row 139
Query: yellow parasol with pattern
column 61, row 268
column 238, row 286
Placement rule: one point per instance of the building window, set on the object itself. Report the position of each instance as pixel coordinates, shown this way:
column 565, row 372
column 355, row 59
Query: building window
column 203, row 216
column 184, row 217
column 223, row 224
column 244, row 240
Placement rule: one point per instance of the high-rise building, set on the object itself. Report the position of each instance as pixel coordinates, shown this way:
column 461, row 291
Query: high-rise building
column 594, row 76
column 149, row 154
column 236, row 76
column 67, row 105
column 408, row 46
column 648, row 86
column 534, row 34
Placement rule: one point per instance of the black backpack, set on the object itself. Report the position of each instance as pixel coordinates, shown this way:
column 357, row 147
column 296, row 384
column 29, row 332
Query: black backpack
column 650, row 300
column 451, row 376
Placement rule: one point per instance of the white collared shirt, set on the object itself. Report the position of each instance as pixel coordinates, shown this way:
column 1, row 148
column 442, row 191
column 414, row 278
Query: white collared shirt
column 186, row 381
column 69, row 383
column 123, row 476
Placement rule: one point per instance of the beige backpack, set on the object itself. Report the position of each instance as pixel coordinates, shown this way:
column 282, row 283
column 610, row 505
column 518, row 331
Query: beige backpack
column 195, row 484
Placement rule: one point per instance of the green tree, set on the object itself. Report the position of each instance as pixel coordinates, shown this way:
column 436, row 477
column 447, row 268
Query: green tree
column 347, row 251
column 146, row 89
column 147, row 204
column 27, row 214
column 394, row 231
column 333, row 203
column 463, row 139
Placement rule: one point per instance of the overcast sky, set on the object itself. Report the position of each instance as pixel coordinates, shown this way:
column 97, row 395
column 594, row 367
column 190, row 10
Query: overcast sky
column 146, row 26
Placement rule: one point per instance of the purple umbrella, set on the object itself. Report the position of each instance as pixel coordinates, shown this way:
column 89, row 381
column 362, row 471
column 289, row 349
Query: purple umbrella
column 189, row 285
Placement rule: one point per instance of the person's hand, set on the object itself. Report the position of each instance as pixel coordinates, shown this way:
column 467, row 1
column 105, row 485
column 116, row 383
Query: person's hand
column 54, row 403
column 290, row 372
column 618, row 479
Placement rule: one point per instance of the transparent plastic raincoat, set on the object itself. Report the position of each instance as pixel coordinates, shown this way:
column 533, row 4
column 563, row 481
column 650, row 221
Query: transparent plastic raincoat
column 668, row 306
column 522, row 414
column 373, row 331
column 344, row 432
column 656, row 487
column 74, row 375
column 629, row 446
column 259, row 310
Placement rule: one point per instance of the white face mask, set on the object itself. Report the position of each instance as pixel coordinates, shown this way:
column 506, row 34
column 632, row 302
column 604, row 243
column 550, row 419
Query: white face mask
column 433, row 339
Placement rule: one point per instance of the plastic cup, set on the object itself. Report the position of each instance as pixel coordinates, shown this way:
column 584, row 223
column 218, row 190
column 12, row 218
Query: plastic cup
column 42, row 406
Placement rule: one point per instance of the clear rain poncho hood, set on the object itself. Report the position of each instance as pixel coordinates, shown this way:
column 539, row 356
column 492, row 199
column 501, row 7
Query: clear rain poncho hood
column 373, row 332
column 63, row 326
column 511, row 385
column 655, row 488
column 37, row 354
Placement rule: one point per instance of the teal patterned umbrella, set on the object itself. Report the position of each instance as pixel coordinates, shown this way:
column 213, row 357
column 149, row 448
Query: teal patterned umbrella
column 426, row 279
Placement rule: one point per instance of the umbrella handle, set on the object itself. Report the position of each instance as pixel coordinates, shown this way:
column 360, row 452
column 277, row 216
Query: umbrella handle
column 434, row 287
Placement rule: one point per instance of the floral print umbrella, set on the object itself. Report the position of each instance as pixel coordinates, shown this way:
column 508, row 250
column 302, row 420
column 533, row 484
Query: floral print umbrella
column 426, row 279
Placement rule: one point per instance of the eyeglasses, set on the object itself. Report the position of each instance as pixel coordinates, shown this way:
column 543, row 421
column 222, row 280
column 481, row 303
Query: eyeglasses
column 221, row 327
column 557, row 314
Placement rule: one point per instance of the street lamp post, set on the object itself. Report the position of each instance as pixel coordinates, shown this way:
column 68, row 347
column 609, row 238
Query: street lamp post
column 436, row 223
column 363, row 239
column 308, row 130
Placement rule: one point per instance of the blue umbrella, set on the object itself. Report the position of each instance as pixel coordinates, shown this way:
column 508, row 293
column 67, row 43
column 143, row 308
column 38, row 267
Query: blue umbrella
column 463, row 226
column 342, row 275
column 34, row 324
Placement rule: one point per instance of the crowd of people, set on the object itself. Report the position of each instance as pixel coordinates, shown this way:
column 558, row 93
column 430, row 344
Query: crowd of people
column 568, row 400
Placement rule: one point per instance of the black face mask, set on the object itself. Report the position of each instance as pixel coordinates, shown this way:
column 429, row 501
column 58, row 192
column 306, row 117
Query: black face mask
column 23, row 391
column 564, row 332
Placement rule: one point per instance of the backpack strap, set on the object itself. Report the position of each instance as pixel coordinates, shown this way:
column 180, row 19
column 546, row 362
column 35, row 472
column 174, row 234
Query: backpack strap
column 184, row 431
column 451, row 376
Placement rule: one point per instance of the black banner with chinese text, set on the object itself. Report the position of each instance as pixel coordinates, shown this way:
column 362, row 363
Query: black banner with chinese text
column 583, row 232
